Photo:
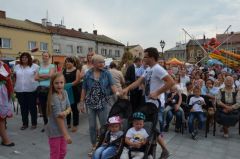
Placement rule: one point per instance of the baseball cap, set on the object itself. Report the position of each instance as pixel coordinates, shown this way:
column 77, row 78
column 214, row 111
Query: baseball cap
column 139, row 116
column 114, row 120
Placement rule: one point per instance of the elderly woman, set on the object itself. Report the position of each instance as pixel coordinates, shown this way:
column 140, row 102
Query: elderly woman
column 6, row 90
column 25, row 88
column 228, row 99
column 97, row 86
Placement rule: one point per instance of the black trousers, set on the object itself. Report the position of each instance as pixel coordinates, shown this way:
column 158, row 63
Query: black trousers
column 42, row 97
column 75, row 114
column 27, row 101
column 136, row 99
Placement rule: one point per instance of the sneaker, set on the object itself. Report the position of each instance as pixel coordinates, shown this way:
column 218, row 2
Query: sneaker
column 165, row 154
column 225, row 136
column 193, row 135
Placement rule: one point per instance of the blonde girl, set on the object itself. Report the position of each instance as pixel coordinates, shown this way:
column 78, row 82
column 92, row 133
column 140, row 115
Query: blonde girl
column 58, row 107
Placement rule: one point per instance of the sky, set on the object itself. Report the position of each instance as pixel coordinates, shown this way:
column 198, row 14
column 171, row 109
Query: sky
column 132, row 22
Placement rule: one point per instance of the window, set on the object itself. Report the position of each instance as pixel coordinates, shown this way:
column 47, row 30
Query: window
column 5, row 43
column 56, row 48
column 191, row 54
column 43, row 46
column 104, row 52
column 117, row 53
column 110, row 53
column 90, row 49
column 79, row 49
column 69, row 49
column 32, row 45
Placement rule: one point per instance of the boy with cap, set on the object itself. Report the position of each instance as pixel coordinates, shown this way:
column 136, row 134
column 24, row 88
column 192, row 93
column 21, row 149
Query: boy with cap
column 136, row 138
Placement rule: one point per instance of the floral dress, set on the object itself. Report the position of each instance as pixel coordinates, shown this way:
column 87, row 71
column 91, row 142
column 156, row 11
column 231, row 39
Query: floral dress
column 5, row 91
column 96, row 99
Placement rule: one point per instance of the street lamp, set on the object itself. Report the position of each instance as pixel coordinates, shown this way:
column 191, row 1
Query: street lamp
column 162, row 44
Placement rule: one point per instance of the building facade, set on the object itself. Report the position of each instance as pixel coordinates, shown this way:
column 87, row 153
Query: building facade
column 18, row 36
column 230, row 42
column 135, row 50
column 179, row 52
column 195, row 53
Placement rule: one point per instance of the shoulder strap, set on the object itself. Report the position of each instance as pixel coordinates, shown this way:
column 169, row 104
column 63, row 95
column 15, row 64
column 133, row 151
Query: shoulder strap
column 222, row 95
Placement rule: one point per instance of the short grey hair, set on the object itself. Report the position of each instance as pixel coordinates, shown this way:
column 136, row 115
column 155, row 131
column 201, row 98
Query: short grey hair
column 97, row 58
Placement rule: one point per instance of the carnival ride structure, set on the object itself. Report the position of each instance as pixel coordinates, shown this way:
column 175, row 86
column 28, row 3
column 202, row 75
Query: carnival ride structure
column 228, row 58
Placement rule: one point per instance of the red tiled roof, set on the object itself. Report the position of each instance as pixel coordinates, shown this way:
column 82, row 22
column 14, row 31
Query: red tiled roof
column 67, row 32
column 80, row 34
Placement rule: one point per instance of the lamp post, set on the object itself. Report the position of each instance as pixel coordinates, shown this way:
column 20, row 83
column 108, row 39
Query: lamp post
column 162, row 44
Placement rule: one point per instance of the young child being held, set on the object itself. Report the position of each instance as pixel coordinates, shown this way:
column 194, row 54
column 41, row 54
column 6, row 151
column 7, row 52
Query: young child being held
column 136, row 138
column 58, row 107
column 196, row 112
column 109, row 146
column 173, row 102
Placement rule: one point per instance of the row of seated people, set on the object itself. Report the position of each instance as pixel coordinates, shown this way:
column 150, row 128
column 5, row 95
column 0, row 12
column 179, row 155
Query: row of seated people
column 199, row 107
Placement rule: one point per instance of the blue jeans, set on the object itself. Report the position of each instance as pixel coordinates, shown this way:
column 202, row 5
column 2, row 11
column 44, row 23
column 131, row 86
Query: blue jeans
column 196, row 115
column 178, row 115
column 104, row 152
column 92, row 119
column 160, row 117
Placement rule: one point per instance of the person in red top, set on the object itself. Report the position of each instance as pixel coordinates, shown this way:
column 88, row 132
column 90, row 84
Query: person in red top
column 6, row 91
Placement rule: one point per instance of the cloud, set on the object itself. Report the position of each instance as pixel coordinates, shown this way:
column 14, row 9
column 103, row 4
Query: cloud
column 137, row 22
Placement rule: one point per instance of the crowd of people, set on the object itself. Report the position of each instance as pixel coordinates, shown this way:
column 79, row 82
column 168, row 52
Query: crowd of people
column 188, row 92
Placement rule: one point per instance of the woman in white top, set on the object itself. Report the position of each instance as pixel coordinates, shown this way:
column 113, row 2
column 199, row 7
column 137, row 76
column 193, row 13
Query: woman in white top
column 25, row 88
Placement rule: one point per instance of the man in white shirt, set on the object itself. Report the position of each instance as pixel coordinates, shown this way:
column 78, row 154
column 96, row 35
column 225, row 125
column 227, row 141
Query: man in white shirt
column 157, row 81
column 183, row 77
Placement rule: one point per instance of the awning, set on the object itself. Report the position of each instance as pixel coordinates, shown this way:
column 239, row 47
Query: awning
column 174, row 61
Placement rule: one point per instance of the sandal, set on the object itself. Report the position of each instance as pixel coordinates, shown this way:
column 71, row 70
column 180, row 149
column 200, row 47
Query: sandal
column 33, row 127
column 90, row 153
column 24, row 127
column 8, row 145
column 74, row 129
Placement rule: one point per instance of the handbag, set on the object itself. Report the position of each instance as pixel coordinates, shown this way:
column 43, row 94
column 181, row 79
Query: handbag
column 42, row 89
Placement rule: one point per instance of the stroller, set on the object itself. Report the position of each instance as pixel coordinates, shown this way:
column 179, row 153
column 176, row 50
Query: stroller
column 151, row 113
column 121, row 108
column 151, row 120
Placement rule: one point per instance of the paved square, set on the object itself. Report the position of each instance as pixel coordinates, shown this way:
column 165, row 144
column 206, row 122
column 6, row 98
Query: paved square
column 32, row 144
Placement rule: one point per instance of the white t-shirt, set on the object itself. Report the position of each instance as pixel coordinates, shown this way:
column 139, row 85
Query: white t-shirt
column 197, row 103
column 184, row 80
column 137, row 136
column 25, row 78
column 153, row 81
